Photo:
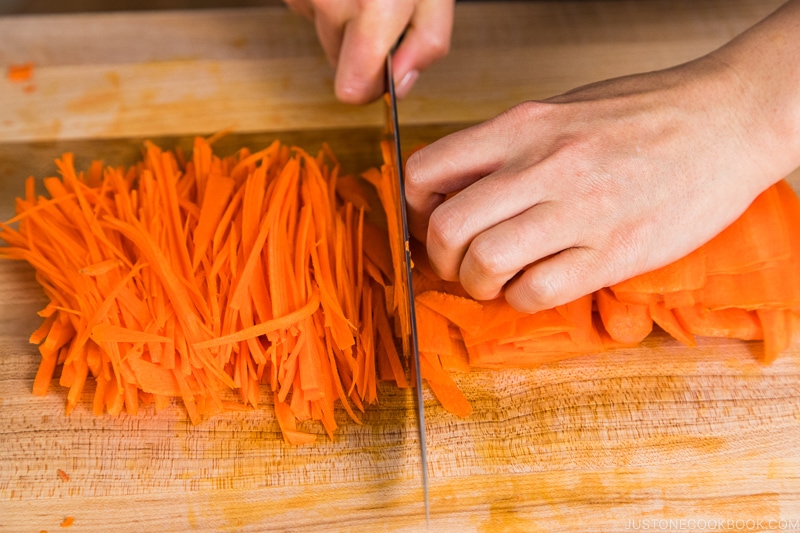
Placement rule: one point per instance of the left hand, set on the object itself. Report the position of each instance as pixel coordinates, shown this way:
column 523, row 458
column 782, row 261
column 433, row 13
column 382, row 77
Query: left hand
column 581, row 191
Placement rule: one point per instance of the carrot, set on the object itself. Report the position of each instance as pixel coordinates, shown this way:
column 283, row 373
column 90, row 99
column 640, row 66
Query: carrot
column 433, row 330
column 624, row 322
column 686, row 273
column 265, row 328
column 458, row 357
column 183, row 276
column 20, row 72
column 755, row 239
column 443, row 386
column 732, row 323
column 752, row 265
column 465, row 313
column 666, row 320
column 781, row 329
column 216, row 194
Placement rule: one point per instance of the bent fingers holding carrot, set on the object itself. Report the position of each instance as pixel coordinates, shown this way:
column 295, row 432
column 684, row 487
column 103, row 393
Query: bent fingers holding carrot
column 562, row 197
column 558, row 198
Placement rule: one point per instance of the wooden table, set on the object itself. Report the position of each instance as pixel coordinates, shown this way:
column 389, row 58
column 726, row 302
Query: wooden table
column 660, row 437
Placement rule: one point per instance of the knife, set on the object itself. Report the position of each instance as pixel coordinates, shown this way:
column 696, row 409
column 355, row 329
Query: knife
column 410, row 344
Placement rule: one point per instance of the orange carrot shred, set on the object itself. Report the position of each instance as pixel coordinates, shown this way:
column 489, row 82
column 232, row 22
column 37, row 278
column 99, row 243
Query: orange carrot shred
column 20, row 72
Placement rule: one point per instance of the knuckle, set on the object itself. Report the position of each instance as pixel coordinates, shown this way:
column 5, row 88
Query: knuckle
column 526, row 111
column 544, row 291
column 533, row 292
column 485, row 260
column 444, row 230
column 437, row 45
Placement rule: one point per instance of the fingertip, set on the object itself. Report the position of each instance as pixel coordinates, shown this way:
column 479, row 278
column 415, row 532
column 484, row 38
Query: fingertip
column 420, row 201
column 532, row 292
column 547, row 283
column 368, row 38
column 445, row 247
column 439, row 268
column 356, row 88
column 352, row 93
column 486, row 267
column 559, row 279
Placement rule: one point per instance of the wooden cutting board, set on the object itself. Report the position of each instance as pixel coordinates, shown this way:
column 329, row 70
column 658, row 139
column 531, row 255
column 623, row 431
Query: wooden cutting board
column 657, row 437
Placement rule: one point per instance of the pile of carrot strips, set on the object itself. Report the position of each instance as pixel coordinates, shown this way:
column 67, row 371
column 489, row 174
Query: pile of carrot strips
column 186, row 277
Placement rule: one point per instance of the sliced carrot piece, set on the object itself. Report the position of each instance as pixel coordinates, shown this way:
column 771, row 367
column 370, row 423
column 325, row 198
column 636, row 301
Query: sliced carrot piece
column 626, row 323
column 781, row 329
column 666, row 320
column 443, row 386
column 732, row 323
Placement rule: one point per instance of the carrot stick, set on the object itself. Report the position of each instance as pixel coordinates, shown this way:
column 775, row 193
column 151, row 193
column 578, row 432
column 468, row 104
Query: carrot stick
column 625, row 323
column 264, row 328
column 111, row 333
column 443, row 387
column 666, row 320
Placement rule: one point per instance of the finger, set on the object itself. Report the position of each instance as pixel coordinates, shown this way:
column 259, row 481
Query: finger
column 449, row 165
column 329, row 20
column 368, row 38
column 559, row 279
column 488, row 202
column 427, row 39
column 498, row 254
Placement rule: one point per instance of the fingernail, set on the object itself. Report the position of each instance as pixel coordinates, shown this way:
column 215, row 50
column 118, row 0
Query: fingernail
column 406, row 83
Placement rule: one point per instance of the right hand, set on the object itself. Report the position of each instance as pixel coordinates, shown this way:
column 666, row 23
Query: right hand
column 358, row 34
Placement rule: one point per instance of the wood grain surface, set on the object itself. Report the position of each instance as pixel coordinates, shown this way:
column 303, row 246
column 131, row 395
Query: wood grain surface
column 660, row 437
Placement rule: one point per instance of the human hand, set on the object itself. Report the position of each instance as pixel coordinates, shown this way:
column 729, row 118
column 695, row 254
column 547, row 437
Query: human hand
column 357, row 35
column 562, row 197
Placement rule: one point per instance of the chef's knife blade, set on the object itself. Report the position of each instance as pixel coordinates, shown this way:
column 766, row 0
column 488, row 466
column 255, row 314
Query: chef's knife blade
column 393, row 135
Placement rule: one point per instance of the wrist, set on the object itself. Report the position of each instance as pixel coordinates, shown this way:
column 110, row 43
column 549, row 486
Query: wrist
column 761, row 70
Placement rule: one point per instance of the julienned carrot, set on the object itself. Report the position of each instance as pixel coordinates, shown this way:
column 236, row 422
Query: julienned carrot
column 181, row 277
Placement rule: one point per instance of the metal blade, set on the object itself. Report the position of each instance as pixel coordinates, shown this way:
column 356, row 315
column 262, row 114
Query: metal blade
column 393, row 134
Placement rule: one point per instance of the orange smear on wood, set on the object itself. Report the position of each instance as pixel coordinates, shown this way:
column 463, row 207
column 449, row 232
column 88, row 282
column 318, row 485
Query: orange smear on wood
column 20, row 72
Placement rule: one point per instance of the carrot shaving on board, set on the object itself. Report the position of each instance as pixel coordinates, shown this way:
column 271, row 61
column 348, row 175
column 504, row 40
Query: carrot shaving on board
column 20, row 72
column 184, row 277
